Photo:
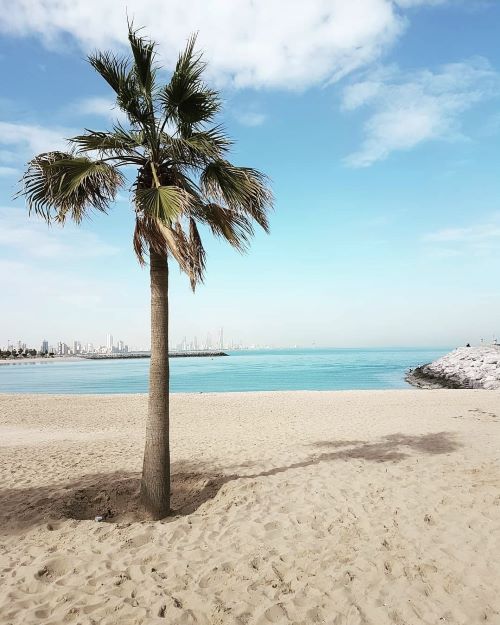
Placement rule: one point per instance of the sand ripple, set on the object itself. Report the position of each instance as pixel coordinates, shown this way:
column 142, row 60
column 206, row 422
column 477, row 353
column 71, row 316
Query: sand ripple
column 343, row 508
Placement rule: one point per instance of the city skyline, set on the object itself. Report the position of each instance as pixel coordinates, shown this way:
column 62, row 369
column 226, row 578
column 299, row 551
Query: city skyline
column 118, row 346
column 64, row 348
column 187, row 343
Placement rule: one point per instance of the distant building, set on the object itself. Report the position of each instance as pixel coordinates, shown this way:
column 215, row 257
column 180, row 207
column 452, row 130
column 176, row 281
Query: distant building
column 77, row 347
column 45, row 347
column 109, row 343
column 62, row 349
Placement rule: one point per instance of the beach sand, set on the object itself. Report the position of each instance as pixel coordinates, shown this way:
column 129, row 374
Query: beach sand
column 342, row 508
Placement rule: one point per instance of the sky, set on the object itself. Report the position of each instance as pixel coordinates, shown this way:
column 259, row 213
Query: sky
column 378, row 122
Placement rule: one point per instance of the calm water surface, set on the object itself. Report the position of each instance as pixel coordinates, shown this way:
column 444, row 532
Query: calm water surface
column 252, row 370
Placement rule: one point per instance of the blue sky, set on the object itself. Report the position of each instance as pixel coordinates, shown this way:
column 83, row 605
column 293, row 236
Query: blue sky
column 378, row 122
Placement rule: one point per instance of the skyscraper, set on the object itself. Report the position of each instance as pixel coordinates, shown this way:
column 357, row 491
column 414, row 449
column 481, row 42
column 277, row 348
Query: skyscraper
column 221, row 338
column 109, row 343
column 45, row 347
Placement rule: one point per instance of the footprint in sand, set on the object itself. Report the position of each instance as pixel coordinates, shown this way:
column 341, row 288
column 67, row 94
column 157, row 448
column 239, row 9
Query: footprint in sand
column 274, row 614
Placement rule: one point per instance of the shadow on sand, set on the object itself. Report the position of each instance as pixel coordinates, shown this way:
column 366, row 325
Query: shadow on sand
column 116, row 495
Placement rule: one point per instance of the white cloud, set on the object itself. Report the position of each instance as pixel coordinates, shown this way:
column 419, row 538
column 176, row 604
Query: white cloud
column 407, row 109
column 29, row 280
column 250, row 43
column 251, row 118
column 465, row 235
column 102, row 107
column 478, row 239
column 408, row 4
column 8, row 171
column 31, row 139
column 7, row 156
column 32, row 237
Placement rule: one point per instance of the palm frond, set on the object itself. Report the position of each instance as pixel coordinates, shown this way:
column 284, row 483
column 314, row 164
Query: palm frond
column 164, row 203
column 233, row 227
column 186, row 99
column 143, row 51
column 148, row 234
column 196, row 255
column 119, row 142
column 198, row 148
column 242, row 189
column 115, row 70
column 187, row 249
column 58, row 184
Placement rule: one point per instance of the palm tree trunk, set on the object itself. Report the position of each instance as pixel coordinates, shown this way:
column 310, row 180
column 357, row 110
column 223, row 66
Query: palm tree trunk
column 155, row 486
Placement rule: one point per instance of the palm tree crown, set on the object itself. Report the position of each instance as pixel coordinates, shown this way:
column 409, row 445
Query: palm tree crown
column 183, row 175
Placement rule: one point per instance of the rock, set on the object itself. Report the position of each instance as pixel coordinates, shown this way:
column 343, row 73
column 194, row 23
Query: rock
column 465, row 367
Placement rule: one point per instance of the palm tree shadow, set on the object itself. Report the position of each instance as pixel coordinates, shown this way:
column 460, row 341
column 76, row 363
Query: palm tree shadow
column 115, row 496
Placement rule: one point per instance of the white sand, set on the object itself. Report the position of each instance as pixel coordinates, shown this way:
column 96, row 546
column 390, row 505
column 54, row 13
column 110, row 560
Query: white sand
column 346, row 508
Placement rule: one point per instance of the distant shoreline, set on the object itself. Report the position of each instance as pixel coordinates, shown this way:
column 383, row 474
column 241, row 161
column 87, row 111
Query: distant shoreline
column 37, row 360
column 130, row 356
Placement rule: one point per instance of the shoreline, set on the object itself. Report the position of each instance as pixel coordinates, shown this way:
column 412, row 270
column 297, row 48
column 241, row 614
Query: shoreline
column 419, row 379
column 43, row 360
column 38, row 360
column 243, row 394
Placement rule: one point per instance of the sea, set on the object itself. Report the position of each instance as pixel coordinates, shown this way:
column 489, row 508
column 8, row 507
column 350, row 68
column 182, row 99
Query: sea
column 243, row 370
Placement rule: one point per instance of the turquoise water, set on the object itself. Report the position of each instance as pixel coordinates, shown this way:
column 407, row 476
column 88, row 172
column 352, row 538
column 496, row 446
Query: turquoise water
column 252, row 370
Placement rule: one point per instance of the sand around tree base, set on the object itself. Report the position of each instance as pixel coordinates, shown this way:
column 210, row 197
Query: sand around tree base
column 343, row 508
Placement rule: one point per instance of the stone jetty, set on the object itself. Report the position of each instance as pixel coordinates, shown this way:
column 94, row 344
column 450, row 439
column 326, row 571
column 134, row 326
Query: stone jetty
column 132, row 355
column 465, row 367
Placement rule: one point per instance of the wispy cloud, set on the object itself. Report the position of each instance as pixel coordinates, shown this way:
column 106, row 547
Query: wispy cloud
column 250, row 118
column 408, row 4
column 34, row 238
column 29, row 139
column 407, row 109
column 288, row 44
column 51, row 287
column 99, row 106
column 8, row 171
column 478, row 239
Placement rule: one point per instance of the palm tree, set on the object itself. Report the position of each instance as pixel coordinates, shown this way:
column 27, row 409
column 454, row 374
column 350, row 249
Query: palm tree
column 183, row 178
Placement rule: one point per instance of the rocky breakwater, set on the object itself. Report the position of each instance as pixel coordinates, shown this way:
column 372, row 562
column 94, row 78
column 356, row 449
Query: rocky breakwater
column 465, row 367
